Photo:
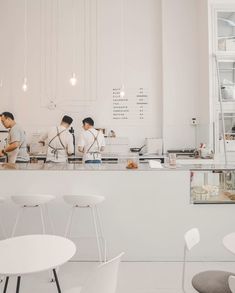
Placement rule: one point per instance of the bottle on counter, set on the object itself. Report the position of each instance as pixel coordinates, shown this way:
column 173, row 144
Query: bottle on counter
column 172, row 159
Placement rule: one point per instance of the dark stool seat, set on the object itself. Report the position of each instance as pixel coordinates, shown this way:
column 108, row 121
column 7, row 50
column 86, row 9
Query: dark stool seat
column 212, row 282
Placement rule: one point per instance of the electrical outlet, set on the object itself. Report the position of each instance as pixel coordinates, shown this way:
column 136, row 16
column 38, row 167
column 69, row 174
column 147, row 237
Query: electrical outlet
column 194, row 121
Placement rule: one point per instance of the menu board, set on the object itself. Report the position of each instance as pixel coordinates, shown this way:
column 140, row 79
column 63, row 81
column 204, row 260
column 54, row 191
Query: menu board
column 132, row 107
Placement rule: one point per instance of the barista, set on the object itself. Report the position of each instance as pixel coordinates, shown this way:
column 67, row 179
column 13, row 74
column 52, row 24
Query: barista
column 16, row 149
column 91, row 142
column 60, row 141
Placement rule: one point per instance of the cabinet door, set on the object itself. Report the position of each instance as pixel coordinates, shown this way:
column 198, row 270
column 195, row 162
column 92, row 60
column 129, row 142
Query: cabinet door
column 227, row 80
column 226, row 31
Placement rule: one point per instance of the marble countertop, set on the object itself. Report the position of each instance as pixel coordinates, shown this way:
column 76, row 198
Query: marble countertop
column 74, row 167
column 110, row 167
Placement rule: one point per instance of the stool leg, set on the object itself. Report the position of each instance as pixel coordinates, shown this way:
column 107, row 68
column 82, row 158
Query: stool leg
column 42, row 220
column 2, row 228
column 49, row 219
column 17, row 221
column 18, row 284
column 44, row 231
column 104, row 248
column 6, row 284
column 69, row 222
column 97, row 234
column 67, row 232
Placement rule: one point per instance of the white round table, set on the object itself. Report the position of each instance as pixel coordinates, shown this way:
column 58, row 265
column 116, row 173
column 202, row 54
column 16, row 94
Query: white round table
column 32, row 254
column 229, row 242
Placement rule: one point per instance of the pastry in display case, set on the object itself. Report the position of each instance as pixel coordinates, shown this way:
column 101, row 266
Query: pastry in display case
column 213, row 186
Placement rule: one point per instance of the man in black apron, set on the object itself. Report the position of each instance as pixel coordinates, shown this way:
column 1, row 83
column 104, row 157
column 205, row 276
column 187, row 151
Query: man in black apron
column 60, row 141
column 91, row 142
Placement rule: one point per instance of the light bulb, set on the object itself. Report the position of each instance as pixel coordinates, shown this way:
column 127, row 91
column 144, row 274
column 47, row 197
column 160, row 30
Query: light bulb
column 25, row 85
column 122, row 92
column 73, row 79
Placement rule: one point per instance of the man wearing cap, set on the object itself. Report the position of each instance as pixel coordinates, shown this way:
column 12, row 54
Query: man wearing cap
column 16, row 149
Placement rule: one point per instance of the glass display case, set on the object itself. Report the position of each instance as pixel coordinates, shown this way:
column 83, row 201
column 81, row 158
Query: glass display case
column 227, row 79
column 213, row 185
column 226, row 31
column 229, row 124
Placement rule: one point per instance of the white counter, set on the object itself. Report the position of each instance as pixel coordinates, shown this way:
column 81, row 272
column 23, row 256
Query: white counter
column 145, row 213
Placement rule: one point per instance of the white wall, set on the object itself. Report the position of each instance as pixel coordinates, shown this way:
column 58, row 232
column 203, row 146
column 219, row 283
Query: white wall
column 185, row 71
column 98, row 63
column 166, row 51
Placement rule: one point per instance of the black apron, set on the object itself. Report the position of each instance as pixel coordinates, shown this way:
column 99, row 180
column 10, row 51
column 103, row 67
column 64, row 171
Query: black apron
column 55, row 151
column 95, row 154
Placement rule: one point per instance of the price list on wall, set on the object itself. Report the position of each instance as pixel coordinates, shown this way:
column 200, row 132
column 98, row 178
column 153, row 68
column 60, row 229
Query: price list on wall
column 131, row 106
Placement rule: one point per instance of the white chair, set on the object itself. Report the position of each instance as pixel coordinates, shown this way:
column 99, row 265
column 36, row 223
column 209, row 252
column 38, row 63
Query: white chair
column 91, row 202
column 33, row 201
column 208, row 281
column 191, row 239
column 103, row 279
column 231, row 282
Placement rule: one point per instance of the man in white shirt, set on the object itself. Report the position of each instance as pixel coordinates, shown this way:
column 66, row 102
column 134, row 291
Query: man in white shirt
column 60, row 141
column 91, row 142
column 16, row 149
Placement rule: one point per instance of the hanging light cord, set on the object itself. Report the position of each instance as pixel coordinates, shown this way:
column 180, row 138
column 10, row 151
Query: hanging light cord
column 57, row 48
column 74, row 37
column 123, row 42
column 25, row 37
column 50, row 43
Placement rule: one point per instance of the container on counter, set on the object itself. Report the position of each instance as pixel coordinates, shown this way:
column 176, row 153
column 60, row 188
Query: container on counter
column 131, row 160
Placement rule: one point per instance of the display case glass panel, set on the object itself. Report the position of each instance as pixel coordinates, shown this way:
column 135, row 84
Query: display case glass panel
column 227, row 80
column 226, row 31
column 229, row 123
column 213, row 186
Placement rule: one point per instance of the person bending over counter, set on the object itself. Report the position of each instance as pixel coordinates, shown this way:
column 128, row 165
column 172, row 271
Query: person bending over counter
column 60, row 142
column 91, row 142
column 16, row 149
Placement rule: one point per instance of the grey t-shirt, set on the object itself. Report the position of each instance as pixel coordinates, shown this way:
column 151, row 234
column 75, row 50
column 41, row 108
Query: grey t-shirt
column 17, row 134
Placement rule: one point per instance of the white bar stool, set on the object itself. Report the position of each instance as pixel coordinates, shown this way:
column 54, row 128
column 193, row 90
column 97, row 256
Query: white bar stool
column 3, row 231
column 33, row 201
column 91, row 202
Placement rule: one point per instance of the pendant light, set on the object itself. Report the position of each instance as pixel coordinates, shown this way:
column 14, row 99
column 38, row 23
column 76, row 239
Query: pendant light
column 122, row 89
column 25, row 80
column 73, row 79
column 25, row 85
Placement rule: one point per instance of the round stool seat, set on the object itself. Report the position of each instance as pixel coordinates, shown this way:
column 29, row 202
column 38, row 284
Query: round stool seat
column 212, row 282
column 83, row 200
column 32, row 200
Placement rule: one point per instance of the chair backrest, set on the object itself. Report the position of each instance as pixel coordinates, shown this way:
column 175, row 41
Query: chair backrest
column 231, row 282
column 192, row 238
column 104, row 278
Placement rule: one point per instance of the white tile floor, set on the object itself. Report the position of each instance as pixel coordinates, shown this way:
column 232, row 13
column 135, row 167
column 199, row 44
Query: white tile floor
column 135, row 277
